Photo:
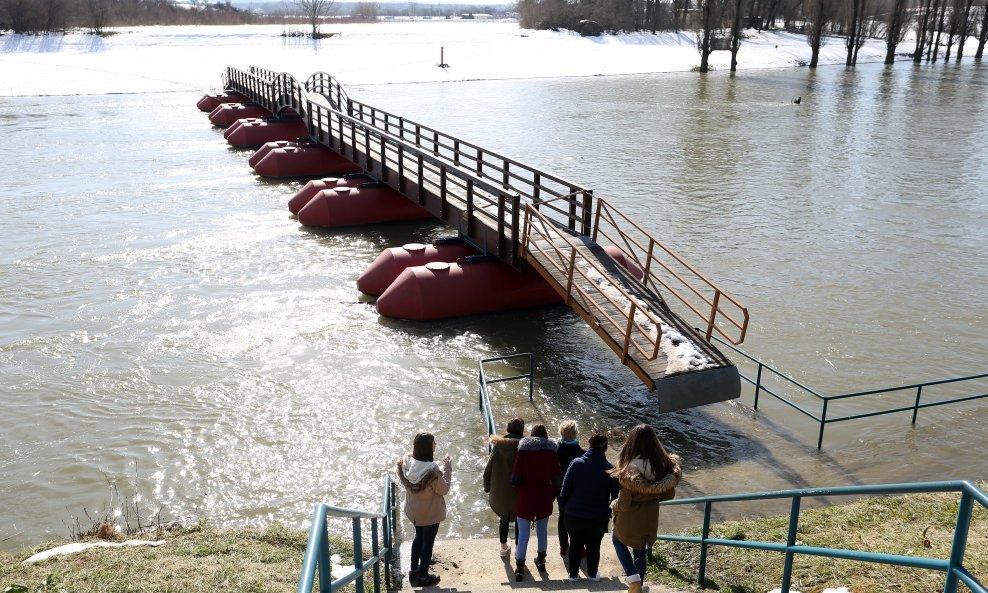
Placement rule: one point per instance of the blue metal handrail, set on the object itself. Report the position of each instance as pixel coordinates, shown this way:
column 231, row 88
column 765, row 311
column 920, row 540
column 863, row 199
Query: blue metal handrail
column 317, row 557
column 823, row 418
column 953, row 566
column 485, row 398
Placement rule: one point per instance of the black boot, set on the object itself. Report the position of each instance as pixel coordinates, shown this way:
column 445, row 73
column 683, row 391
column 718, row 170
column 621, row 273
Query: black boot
column 520, row 571
column 540, row 561
column 413, row 578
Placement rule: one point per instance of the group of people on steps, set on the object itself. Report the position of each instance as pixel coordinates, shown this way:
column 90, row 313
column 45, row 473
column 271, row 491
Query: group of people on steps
column 526, row 475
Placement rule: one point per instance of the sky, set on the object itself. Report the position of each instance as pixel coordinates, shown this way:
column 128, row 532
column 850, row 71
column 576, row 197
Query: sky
column 165, row 59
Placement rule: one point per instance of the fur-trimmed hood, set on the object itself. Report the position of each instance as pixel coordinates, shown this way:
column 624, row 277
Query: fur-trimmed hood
column 416, row 475
column 506, row 442
column 537, row 444
column 631, row 479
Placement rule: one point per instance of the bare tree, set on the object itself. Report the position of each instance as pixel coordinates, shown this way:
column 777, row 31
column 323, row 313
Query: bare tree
column 855, row 30
column 315, row 11
column 965, row 28
column 735, row 33
column 99, row 14
column 704, row 36
column 983, row 35
column 895, row 30
column 921, row 30
column 819, row 15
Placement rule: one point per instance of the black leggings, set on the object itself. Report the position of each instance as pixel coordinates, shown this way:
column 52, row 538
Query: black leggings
column 584, row 533
column 425, row 537
column 502, row 529
column 561, row 529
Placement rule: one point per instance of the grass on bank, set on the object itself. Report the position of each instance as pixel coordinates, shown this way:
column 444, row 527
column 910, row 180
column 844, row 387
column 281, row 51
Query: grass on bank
column 920, row 525
column 196, row 560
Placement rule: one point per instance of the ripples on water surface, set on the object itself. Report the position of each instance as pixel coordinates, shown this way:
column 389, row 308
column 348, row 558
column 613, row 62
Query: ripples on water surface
column 165, row 325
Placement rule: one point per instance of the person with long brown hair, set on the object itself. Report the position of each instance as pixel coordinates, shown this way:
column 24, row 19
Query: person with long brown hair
column 648, row 474
column 426, row 483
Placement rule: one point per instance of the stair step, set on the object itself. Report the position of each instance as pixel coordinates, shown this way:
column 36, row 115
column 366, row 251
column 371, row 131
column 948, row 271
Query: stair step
column 475, row 565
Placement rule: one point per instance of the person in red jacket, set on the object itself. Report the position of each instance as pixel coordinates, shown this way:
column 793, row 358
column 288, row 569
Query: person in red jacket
column 537, row 478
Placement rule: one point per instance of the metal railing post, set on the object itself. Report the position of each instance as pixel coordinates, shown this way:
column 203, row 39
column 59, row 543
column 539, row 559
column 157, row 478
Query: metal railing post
column 375, row 550
column 713, row 314
column 758, row 384
column 531, row 376
column 702, row 571
column 790, row 542
column 919, row 393
column 358, row 556
column 961, row 529
column 823, row 423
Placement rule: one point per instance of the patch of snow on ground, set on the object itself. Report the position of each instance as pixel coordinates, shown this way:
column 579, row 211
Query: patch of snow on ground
column 192, row 58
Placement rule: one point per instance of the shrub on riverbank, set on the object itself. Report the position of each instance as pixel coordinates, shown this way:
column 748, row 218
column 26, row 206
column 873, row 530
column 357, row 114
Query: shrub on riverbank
column 192, row 561
column 920, row 525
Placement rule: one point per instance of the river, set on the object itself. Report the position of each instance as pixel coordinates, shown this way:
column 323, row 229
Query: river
column 170, row 335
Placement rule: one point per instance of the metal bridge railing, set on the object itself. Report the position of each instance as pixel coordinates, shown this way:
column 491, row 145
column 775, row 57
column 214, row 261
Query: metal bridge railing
column 317, row 556
column 275, row 91
column 953, row 566
column 664, row 268
column 485, row 396
column 510, row 175
column 604, row 302
column 397, row 164
column 825, row 417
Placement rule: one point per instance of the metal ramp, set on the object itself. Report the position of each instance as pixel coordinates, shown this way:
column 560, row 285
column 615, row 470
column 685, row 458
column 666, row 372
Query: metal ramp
column 624, row 306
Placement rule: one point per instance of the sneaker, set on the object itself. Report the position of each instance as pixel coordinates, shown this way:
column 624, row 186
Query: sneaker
column 595, row 578
column 505, row 550
column 572, row 579
column 428, row 580
column 413, row 578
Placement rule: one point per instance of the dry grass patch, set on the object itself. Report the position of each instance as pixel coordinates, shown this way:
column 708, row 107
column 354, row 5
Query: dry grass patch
column 920, row 525
column 192, row 561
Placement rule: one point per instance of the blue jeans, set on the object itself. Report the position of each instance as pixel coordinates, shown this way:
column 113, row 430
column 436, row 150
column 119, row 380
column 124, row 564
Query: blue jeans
column 630, row 565
column 525, row 531
column 425, row 537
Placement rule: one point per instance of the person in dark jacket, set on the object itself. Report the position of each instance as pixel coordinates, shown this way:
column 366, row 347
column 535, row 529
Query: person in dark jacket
column 497, row 480
column 585, row 498
column 536, row 478
column 648, row 475
column 569, row 449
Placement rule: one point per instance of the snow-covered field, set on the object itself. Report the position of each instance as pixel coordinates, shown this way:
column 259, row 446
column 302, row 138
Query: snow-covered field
column 165, row 59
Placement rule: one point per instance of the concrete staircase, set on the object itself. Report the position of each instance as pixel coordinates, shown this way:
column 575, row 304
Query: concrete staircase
column 474, row 565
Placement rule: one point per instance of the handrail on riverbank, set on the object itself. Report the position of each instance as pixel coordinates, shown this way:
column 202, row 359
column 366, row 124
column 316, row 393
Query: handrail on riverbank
column 823, row 419
column 953, row 566
column 485, row 397
column 317, row 554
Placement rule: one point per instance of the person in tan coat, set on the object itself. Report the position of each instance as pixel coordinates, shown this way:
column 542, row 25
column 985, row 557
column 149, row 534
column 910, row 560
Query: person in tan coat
column 425, row 483
column 497, row 480
column 647, row 475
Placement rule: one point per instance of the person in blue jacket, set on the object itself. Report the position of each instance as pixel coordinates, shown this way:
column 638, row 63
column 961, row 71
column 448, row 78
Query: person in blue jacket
column 585, row 498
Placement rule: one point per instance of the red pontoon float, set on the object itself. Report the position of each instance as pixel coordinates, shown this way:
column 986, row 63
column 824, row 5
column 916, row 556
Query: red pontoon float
column 391, row 262
column 368, row 203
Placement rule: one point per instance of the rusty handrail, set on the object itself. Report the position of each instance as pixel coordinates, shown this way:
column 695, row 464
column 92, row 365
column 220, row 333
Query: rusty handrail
column 647, row 259
column 573, row 264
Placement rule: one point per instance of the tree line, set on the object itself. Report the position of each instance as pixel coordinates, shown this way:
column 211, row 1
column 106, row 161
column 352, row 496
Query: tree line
column 939, row 25
column 51, row 16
